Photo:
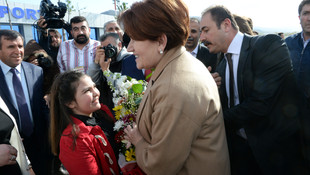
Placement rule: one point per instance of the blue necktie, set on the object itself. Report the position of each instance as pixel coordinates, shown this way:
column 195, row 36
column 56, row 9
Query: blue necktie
column 25, row 120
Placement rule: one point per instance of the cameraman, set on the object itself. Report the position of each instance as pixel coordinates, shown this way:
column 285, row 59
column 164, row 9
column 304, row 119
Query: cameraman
column 101, row 63
column 50, row 39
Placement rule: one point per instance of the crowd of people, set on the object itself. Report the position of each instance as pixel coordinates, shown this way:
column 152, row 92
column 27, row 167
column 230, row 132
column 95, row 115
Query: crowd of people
column 220, row 99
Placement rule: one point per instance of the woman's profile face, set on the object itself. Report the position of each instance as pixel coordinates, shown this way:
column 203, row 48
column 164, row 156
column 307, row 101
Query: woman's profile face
column 146, row 52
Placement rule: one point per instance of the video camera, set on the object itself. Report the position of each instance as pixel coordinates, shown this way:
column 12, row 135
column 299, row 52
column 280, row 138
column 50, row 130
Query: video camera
column 52, row 14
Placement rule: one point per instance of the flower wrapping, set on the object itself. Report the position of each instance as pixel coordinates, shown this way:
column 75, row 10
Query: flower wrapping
column 127, row 95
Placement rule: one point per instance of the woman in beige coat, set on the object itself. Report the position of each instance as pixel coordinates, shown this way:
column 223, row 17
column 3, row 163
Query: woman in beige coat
column 180, row 128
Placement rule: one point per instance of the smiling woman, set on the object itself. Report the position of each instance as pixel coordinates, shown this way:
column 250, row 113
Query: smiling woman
column 81, row 129
column 180, row 116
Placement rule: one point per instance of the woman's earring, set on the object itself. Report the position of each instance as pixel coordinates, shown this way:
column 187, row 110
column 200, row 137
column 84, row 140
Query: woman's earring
column 161, row 51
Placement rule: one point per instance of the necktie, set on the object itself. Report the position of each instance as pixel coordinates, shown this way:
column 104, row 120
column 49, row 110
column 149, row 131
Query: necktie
column 25, row 120
column 231, row 80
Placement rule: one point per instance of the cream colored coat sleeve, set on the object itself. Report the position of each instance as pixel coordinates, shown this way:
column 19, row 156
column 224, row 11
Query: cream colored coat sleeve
column 16, row 142
column 180, row 119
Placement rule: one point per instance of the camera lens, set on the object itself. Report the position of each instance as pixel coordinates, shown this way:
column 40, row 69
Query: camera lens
column 109, row 51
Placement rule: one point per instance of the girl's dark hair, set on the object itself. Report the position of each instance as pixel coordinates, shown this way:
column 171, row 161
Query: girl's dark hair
column 63, row 92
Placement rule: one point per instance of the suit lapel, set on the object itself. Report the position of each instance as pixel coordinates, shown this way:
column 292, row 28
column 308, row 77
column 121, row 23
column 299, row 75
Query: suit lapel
column 198, row 51
column 244, row 53
column 221, row 68
column 29, row 79
column 6, row 96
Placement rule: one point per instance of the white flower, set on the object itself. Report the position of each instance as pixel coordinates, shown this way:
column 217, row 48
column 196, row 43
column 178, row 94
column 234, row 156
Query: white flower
column 118, row 125
column 128, row 84
column 116, row 100
column 134, row 81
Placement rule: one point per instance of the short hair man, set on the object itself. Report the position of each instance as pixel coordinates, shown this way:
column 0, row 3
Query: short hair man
column 196, row 49
column 80, row 52
column 262, row 105
column 299, row 47
column 21, row 90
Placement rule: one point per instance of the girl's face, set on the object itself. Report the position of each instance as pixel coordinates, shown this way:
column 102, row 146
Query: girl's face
column 86, row 97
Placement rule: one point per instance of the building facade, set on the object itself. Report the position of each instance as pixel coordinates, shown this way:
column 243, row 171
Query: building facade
column 23, row 18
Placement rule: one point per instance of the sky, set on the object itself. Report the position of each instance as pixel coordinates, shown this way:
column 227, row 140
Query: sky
column 270, row 15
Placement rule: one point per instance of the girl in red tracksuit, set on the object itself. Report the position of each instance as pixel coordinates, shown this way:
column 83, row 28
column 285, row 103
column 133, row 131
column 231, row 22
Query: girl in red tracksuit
column 81, row 126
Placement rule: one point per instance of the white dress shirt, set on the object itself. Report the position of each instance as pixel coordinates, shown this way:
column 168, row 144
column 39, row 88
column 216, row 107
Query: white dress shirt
column 235, row 48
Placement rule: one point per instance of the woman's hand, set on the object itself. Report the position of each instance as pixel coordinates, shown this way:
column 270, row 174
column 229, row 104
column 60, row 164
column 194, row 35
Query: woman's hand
column 132, row 134
column 7, row 155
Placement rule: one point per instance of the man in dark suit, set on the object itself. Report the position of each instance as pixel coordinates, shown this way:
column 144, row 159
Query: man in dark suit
column 196, row 49
column 31, row 116
column 263, row 108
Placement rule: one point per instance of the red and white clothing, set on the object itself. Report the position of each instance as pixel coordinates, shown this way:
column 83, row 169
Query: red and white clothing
column 70, row 57
column 92, row 154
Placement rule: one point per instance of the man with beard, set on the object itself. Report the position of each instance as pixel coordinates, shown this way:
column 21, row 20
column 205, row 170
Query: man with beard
column 196, row 49
column 54, row 40
column 80, row 52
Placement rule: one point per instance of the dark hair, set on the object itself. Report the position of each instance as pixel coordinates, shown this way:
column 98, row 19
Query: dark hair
column 78, row 19
column 302, row 4
column 243, row 24
column 149, row 19
column 110, row 34
column 55, row 31
column 9, row 35
column 219, row 13
column 63, row 92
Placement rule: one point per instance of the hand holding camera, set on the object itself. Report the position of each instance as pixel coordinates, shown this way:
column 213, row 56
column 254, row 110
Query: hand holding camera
column 101, row 59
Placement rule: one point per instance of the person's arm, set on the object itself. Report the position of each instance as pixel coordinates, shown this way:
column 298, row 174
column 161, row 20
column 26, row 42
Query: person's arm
column 270, row 66
column 81, row 160
column 60, row 59
column 96, row 69
column 43, row 35
column 67, row 27
column 172, row 125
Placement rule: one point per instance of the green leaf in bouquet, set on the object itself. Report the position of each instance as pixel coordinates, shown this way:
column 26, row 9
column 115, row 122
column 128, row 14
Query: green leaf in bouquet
column 137, row 88
column 129, row 78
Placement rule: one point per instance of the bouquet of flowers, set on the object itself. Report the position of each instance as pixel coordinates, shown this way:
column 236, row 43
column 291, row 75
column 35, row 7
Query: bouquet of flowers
column 127, row 95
